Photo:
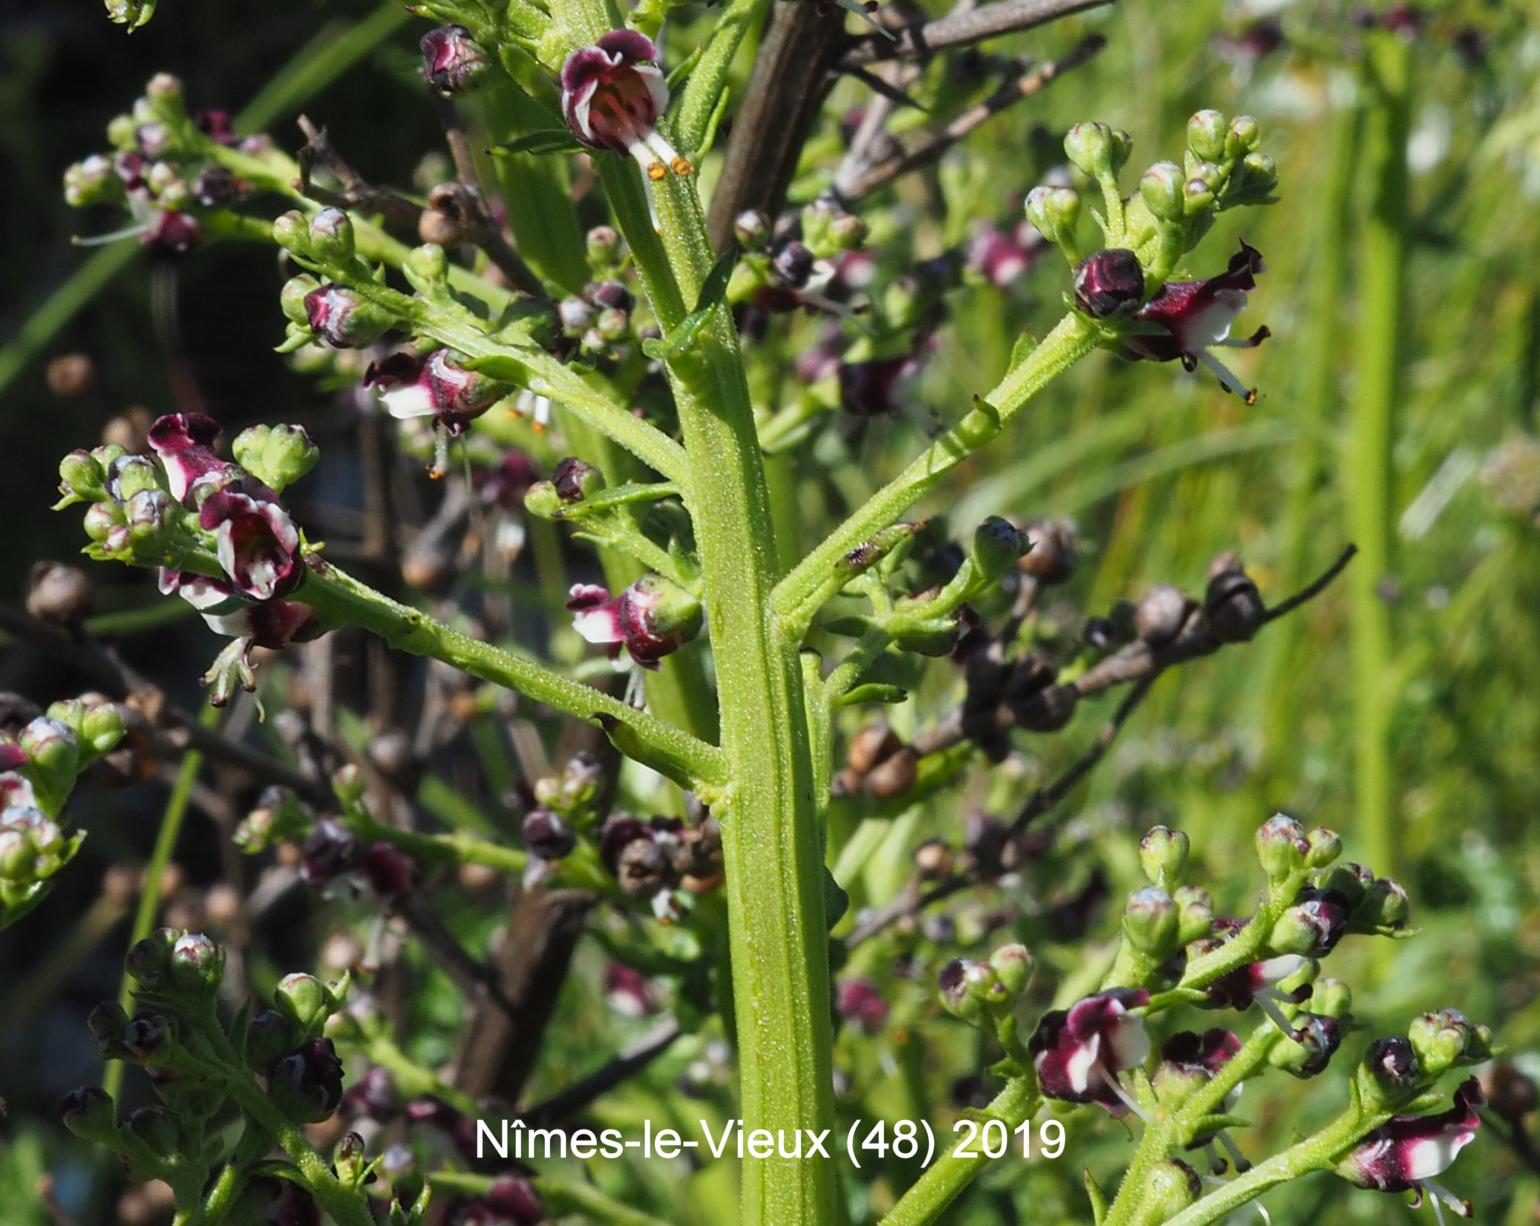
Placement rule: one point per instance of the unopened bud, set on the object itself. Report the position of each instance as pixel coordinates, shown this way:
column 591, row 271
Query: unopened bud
column 1150, row 921
column 1324, row 847
column 453, row 62
column 1109, row 284
column 276, row 455
column 1281, row 846
column 88, row 1113
column 1162, row 855
column 197, row 963
column 1206, row 133
column 1093, row 148
column 997, row 546
column 304, row 1001
column 1161, row 189
column 1054, row 211
column 331, row 236
column 1161, row 614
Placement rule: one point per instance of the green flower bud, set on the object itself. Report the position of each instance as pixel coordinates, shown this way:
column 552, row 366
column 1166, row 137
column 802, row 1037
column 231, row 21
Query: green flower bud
column 1161, row 189
column 135, row 473
column 123, row 133
column 1350, row 880
column 1168, row 1189
column 305, row 1001
column 149, row 960
column 53, row 753
column 1054, row 211
column 331, row 236
column 91, row 181
column 604, row 247
column 1389, row 1070
column 1245, row 134
column 1093, row 148
column 1162, row 855
column 81, row 478
column 291, row 299
column 101, row 728
column 1310, row 1047
column 1281, row 847
column 1194, row 913
column 997, row 546
column 268, row 1035
column 1206, row 132
column 1324, row 846
column 542, row 501
column 349, row 784
column 426, row 265
column 1012, row 965
column 156, row 1128
column 292, row 233
column 1197, row 197
column 1441, row 1040
column 89, row 1113
column 1385, row 906
column 1331, row 998
column 1150, row 922
column 276, row 455
column 150, row 515
column 18, row 855
column 350, row 1160
column 956, row 996
column 196, row 963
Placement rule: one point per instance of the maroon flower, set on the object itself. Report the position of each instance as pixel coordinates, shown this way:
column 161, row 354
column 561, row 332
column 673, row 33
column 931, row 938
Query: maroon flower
column 1079, row 1053
column 612, row 95
column 860, row 1004
column 1240, row 987
column 308, row 1081
column 390, row 872
column 256, row 542
column 1185, row 319
column 1205, row 1053
column 433, row 386
column 628, row 991
column 172, row 230
column 1004, row 256
column 1109, row 283
column 650, row 619
column 451, row 60
column 1405, row 1153
column 185, row 444
column 340, row 318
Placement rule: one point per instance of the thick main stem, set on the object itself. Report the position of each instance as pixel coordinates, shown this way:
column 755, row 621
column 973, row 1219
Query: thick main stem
column 771, row 844
column 1382, row 276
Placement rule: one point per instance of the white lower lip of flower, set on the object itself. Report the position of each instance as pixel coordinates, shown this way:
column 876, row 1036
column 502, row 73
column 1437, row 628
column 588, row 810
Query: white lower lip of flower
column 1212, row 325
column 1079, row 1067
column 597, row 626
column 1129, row 1044
column 414, row 400
column 1430, row 1156
column 231, row 625
column 1275, row 970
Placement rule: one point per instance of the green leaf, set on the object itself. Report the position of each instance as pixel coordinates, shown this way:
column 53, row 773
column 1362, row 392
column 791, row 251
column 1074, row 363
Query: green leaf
column 681, row 337
column 873, row 692
column 544, row 140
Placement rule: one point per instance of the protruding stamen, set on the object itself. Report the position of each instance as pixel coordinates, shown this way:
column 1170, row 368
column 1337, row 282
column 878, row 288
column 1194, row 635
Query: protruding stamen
column 1117, row 1088
column 1227, row 379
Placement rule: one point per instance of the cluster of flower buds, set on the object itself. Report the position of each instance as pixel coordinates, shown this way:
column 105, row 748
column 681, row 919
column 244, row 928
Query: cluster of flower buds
column 1125, row 285
column 794, row 264
column 163, row 169
column 598, row 324
column 655, row 858
column 332, row 313
column 38, row 770
column 565, row 807
column 186, row 502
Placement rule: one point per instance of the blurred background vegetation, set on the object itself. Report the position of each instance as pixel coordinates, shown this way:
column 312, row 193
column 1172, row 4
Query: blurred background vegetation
column 1161, row 470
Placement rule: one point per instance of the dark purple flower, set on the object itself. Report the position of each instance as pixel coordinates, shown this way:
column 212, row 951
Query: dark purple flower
column 867, row 388
column 372, row 1095
column 172, row 230
column 1078, row 1053
column 214, row 186
column 308, row 1081
column 860, row 1004
column 434, row 386
column 390, row 872
column 547, row 836
column 1188, row 318
column 505, row 485
column 1240, row 987
column 256, row 542
column 1205, row 1053
column 612, row 95
column 185, row 444
column 217, row 126
column 452, row 61
column 1109, row 283
column 1405, row 1153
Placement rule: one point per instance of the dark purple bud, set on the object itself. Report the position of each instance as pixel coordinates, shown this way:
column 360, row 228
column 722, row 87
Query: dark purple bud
column 547, row 836
column 327, row 853
column 172, row 231
column 1232, row 603
column 1392, row 1062
column 344, row 320
column 307, row 1083
column 1109, row 284
column 145, row 1034
column 214, row 187
column 574, row 480
column 642, row 868
column 1310, row 1047
column 1205, row 1053
column 609, row 295
column 791, row 265
column 452, row 61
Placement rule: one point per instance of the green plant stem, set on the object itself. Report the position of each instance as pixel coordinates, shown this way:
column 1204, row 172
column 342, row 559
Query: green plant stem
column 946, row 1178
column 160, row 856
column 1314, row 1153
column 221, row 1197
column 771, row 842
column 339, row 597
column 1071, row 339
column 1370, row 516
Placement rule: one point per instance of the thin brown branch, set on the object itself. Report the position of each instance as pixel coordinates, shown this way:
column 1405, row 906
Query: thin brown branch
column 119, row 681
column 963, row 28
column 567, row 1102
column 883, row 173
